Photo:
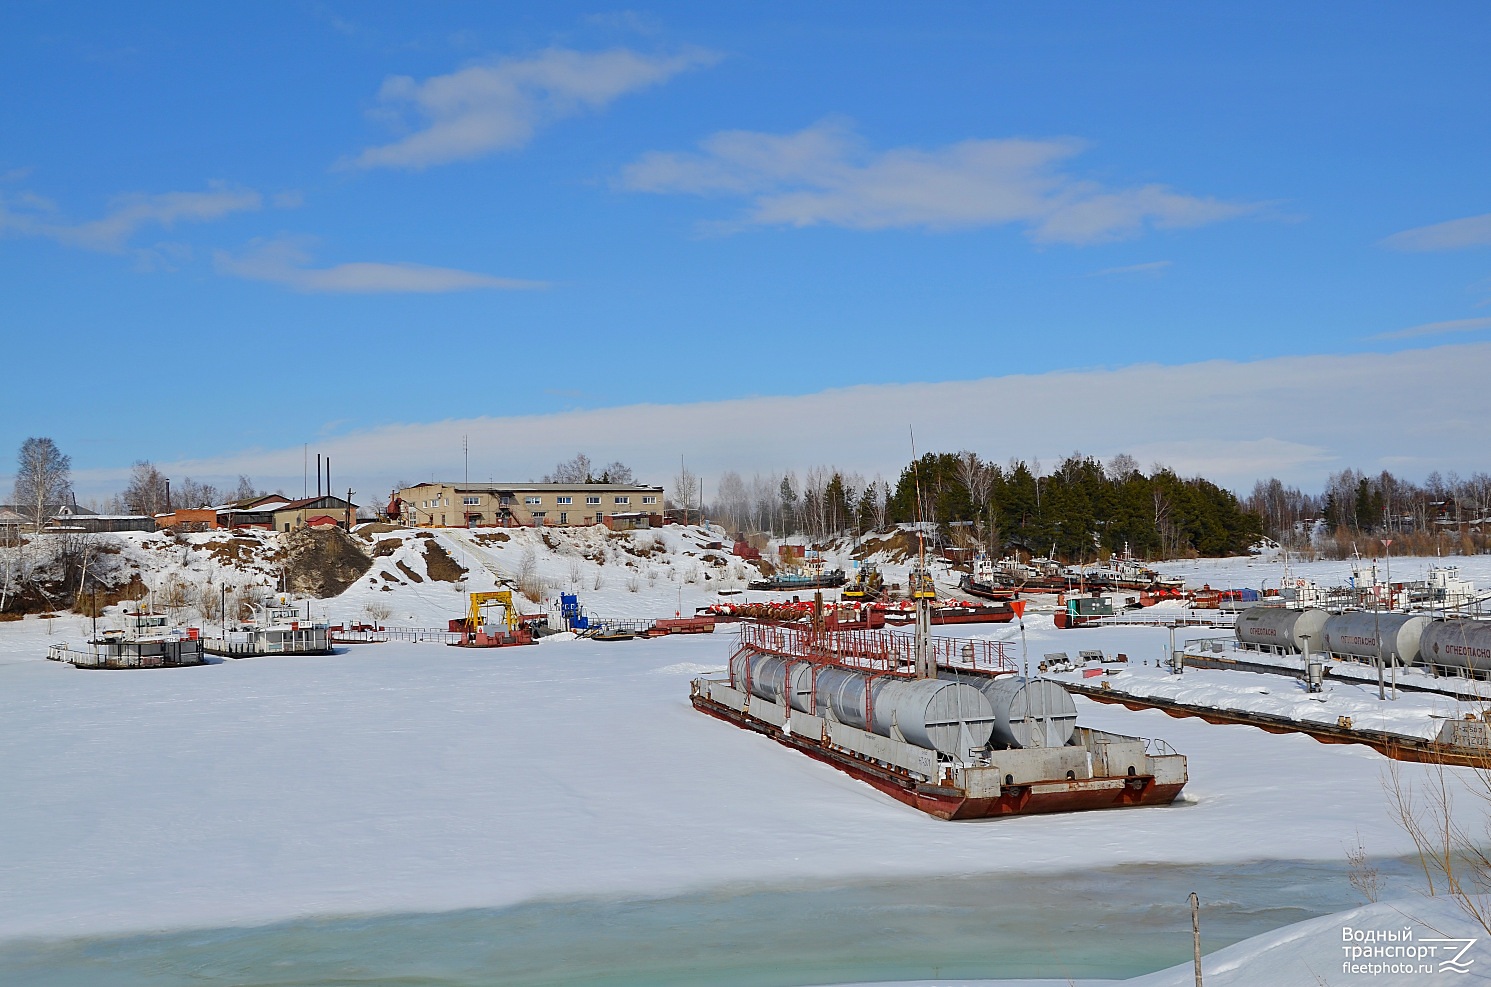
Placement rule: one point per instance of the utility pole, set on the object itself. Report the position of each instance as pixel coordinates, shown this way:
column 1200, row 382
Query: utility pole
column 1196, row 934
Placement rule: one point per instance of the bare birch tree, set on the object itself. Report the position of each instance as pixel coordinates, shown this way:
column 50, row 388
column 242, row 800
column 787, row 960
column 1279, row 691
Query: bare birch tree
column 43, row 479
column 146, row 493
column 685, row 490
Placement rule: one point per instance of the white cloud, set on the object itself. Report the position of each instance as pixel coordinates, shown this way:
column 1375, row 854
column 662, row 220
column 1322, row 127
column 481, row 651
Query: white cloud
column 1152, row 267
column 1437, row 328
column 497, row 106
column 1456, row 234
column 824, row 175
column 31, row 215
column 1233, row 422
column 286, row 261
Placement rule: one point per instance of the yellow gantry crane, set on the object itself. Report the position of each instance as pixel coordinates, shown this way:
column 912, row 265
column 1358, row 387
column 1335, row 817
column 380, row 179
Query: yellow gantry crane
column 502, row 596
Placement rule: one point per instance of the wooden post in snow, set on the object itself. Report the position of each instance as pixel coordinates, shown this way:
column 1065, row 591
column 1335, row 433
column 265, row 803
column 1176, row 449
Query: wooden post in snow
column 1196, row 934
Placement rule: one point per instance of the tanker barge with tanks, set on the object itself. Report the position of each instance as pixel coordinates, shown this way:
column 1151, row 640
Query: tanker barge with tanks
column 944, row 725
column 1437, row 667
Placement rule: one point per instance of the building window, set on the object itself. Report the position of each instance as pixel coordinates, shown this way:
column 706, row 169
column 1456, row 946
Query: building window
column 649, row 500
column 533, row 501
column 538, row 518
column 623, row 500
column 471, row 501
column 564, row 500
column 564, row 517
column 592, row 500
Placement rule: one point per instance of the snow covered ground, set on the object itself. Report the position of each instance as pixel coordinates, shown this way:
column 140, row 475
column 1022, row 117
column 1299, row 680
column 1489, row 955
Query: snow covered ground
column 424, row 777
column 420, row 778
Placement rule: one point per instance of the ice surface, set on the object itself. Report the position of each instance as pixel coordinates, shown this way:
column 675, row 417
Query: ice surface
column 418, row 778
column 423, row 777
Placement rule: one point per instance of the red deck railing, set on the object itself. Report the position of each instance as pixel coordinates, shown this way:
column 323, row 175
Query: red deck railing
column 877, row 651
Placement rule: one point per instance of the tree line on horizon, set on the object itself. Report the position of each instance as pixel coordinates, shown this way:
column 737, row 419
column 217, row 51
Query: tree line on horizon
column 1358, row 512
column 1082, row 509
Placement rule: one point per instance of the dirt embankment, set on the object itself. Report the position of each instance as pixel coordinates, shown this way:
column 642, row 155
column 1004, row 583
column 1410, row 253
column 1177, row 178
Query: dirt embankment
column 323, row 562
column 440, row 565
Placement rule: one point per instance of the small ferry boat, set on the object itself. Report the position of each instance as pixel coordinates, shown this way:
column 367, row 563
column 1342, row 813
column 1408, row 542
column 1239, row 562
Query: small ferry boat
column 147, row 640
column 277, row 627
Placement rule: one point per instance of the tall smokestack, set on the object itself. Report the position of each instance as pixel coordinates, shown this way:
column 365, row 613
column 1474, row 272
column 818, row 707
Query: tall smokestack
column 168, row 496
column 318, row 474
column 328, row 476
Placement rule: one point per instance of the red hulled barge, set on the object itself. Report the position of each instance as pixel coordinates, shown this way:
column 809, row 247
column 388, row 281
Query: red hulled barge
column 945, row 725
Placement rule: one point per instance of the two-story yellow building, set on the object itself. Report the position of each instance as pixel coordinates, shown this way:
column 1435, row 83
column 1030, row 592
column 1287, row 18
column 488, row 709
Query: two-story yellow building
column 474, row 505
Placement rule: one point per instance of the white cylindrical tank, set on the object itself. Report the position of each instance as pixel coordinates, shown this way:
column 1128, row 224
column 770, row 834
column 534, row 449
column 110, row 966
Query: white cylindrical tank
column 1030, row 712
column 843, row 692
column 943, row 716
column 1357, row 634
column 1280, row 627
column 949, row 717
column 767, row 677
column 1457, row 644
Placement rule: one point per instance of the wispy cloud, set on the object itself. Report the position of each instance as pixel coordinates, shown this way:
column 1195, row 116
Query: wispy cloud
column 498, row 105
column 27, row 214
column 1437, row 328
column 1239, row 439
column 825, row 175
column 1152, row 267
column 1456, row 234
column 287, row 261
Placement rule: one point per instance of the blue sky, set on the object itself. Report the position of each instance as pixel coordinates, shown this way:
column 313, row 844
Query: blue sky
column 226, row 231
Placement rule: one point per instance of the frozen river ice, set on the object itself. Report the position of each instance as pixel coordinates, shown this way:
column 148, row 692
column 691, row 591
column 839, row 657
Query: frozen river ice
column 323, row 809
column 1120, row 922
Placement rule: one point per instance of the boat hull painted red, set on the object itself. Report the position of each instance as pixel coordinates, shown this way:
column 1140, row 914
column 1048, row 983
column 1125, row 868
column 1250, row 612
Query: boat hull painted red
column 951, row 803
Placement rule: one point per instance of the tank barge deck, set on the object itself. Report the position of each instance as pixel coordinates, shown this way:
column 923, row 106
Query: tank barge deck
column 943, row 725
column 1461, row 743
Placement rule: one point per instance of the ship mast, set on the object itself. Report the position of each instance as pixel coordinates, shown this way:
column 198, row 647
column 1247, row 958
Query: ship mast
column 923, row 591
